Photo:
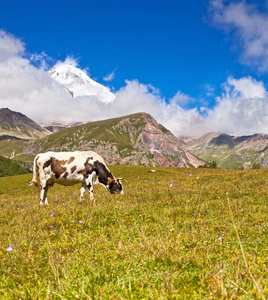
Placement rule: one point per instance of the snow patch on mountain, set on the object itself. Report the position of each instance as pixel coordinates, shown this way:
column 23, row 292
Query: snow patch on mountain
column 78, row 83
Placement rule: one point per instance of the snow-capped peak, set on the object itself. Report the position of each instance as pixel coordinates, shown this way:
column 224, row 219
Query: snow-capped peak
column 78, row 83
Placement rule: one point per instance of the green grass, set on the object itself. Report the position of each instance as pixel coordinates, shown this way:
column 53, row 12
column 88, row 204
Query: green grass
column 191, row 240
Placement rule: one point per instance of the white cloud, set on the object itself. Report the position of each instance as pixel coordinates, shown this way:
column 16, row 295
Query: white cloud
column 40, row 60
column 241, row 109
column 70, row 61
column 137, row 97
column 109, row 77
column 250, row 27
column 10, row 46
column 246, row 87
column 181, row 99
column 209, row 90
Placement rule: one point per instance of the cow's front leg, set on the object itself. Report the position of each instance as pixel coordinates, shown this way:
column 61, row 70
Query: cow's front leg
column 45, row 195
column 82, row 191
column 89, row 185
column 90, row 189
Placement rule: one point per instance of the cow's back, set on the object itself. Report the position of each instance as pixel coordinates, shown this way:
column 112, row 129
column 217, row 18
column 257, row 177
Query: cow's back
column 79, row 156
column 68, row 167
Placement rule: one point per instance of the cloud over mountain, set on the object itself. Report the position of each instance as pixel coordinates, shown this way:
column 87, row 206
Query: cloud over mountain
column 241, row 109
column 27, row 87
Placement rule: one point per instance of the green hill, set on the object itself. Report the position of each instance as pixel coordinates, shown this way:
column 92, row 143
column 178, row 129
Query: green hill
column 9, row 167
column 133, row 139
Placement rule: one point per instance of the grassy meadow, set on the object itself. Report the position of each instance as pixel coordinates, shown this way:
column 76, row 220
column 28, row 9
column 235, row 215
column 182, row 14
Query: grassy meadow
column 175, row 234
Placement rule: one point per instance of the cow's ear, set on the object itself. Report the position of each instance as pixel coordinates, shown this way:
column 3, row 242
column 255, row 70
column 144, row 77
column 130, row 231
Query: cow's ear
column 110, row 180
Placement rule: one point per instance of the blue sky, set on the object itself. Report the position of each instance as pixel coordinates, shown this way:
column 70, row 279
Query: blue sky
column 201, row 53
column 169, row 44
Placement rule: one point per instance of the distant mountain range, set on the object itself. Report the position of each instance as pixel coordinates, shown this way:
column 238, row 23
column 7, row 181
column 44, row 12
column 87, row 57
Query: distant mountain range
column 230, row 151
column 133, row 139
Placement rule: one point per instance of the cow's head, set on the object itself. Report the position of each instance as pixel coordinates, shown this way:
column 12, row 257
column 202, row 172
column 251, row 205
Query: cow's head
column 115, row 186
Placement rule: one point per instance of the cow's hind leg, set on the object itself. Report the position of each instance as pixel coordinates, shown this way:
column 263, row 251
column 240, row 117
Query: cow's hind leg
column 43, row 195
column 44, row 185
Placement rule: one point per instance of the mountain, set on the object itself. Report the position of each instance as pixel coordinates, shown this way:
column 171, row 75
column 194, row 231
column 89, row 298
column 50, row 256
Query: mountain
column 230, row 151
column 15, row 124
column 77, row 83
column 133, row 139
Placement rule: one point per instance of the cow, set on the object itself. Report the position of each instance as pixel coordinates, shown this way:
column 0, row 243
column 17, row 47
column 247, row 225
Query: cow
column 69, row 168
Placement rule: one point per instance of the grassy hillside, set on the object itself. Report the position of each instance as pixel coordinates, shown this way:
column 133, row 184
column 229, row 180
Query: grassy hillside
column 9, row 146
column 176, row 234
column 133, row 139
column 9, row 167
column 71, row 138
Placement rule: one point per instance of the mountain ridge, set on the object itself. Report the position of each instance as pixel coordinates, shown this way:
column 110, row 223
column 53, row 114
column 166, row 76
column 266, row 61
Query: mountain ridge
column 230, row 151
column 132, row 139
column 20, row 126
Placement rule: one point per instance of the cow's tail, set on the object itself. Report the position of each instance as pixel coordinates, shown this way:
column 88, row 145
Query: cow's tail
column 33, row 181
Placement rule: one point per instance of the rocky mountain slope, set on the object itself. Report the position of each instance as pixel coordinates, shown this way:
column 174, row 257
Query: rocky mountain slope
column 133, row 139
column 77, row 83
column 230, row 151
column 15, row 124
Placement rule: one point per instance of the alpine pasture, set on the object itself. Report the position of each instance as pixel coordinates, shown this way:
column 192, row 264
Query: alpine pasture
column 176, row 233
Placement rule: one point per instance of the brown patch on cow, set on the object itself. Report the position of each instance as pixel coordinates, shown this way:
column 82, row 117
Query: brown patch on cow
column 88, row 168
column 65, row 175
column 110, row 180
column 71, row 159
column 73, row 169
column 47, row 163
column 56, row 166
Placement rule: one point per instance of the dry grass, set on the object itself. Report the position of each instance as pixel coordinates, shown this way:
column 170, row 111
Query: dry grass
column 175, row 234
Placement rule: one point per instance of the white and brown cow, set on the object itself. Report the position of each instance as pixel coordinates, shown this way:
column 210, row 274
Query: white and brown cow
column 69, row 168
